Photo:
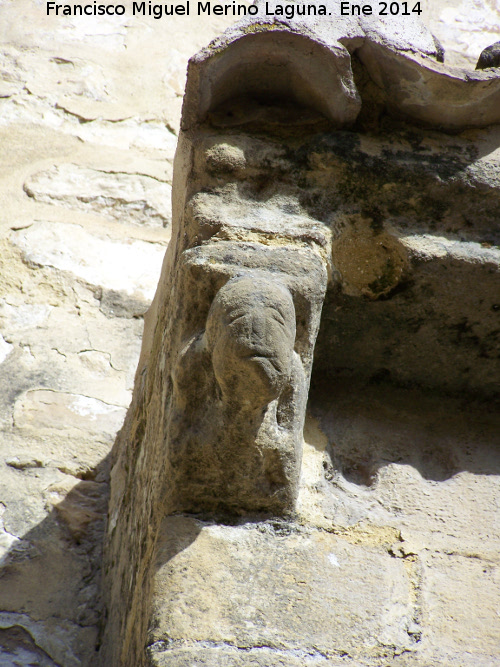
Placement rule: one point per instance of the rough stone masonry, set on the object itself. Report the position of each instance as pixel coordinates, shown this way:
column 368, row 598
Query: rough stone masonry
column 334, row 231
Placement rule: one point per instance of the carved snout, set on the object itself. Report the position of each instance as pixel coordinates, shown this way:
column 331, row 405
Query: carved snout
column 250, row 334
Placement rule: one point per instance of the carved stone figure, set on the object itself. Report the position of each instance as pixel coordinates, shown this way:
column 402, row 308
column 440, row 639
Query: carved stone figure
column 250, row 334
column 239, row 396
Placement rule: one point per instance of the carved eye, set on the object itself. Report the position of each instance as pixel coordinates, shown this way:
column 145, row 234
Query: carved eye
column 238, row 315
column 279, row 317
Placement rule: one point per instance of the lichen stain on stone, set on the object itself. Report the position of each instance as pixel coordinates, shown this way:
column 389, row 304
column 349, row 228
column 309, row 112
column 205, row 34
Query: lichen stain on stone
column 371, row 262
column 369, row 535
column 264, row 27
column 225, row 157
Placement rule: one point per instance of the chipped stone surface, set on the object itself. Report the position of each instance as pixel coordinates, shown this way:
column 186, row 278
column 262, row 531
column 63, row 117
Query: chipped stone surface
column 5, row 349
column 226, row 656
column 19, row 648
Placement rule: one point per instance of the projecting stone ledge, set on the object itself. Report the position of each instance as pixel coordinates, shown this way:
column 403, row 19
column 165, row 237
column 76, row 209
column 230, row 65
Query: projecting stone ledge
column 313, row 237
column 299, row 594
column 309, row 60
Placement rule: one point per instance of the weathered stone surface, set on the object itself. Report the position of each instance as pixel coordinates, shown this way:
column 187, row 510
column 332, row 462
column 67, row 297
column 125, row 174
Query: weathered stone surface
column 123, row 134
column 403, row 459
column 131, row 267
column 5, row 349
column 43, row 409
column 219, row 656
column 245, row 359
column 65, row 641
column 102, row 95
column 125, row 197
column 251, row 369
column 459, row 605
column 490, row 57
column 72, row 366
column 326, row 597
column 19, row 648
column 398, row 53
column 464, row 28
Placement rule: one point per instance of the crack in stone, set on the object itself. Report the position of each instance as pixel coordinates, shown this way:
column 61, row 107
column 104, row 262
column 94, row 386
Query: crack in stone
column 168, row 644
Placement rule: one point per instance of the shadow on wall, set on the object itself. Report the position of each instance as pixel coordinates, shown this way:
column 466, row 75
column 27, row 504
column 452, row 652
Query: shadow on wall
column 50, row 579
column 370, row 427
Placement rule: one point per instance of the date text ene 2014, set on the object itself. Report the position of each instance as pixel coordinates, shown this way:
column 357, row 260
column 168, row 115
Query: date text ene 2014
column 384, row 9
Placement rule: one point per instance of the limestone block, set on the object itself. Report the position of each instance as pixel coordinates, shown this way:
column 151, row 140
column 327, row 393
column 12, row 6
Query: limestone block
column 399, row 54
column 127, row 267
column 309, row 594
column 421, row 464
column 460, row 609
column 128, row 134
column 53, row 409
column 53, row 353
column 124, row 197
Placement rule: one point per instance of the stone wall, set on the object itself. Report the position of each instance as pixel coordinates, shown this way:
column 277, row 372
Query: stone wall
column 392, row 557
column 464, row 28
column 89, row 114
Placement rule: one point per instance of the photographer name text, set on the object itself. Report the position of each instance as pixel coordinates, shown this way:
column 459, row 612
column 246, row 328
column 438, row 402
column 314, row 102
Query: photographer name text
column 207, row 7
